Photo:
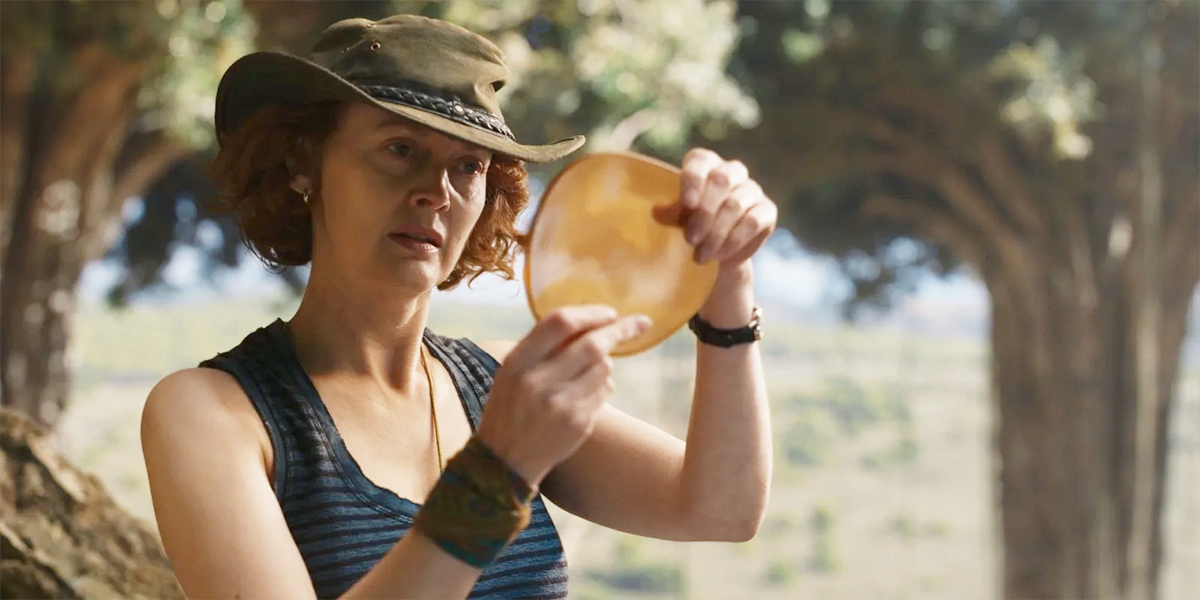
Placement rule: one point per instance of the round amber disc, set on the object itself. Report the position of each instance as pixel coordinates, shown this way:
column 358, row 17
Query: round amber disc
column 594, row 240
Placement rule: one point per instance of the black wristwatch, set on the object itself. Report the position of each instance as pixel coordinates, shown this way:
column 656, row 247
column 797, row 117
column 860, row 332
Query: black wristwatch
column 727, row 338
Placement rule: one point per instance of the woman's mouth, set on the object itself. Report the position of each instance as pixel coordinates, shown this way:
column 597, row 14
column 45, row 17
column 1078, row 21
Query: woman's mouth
column 422, row 244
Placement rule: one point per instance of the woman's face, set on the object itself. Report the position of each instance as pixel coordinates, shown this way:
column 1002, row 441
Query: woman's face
column 398, row 200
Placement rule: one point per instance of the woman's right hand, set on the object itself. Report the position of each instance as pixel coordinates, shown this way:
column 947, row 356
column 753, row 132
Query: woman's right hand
column 546, row 395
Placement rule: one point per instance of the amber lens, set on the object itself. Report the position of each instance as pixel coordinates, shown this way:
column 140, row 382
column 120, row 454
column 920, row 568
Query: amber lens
column 595, row 240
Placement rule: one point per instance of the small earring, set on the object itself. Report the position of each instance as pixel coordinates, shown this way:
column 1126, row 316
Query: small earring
column 306, row 197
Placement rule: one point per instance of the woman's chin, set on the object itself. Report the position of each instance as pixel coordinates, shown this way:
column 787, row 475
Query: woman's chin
column 415, row 277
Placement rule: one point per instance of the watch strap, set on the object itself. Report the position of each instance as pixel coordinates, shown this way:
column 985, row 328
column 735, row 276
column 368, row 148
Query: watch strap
column 727, row 338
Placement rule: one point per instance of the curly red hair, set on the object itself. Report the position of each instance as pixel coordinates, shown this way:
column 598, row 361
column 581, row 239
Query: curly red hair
column 253, row 172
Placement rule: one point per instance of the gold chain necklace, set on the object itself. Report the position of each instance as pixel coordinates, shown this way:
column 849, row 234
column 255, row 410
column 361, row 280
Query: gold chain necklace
column 437, row 436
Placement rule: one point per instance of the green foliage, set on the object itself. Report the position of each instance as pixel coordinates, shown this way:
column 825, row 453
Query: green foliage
column 937, row 529
column 824, row 558
column 822, row 520
column 628, row 550
column 852, row 406
column 626, row 73
column 632, row 571
column 903, row 451
column 181, row 46
column 202, row 40
column 809, row 438
column 810, row 424
column 1056, row 83
column 907, row 449
column 779, row 572
column 903, row 526
column 906, row 527
column 649, row 578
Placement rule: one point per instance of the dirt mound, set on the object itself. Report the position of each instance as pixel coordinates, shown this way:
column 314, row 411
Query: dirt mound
column 61, row 535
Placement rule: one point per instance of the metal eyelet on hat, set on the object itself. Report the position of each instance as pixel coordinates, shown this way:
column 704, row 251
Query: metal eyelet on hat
column 376, row 45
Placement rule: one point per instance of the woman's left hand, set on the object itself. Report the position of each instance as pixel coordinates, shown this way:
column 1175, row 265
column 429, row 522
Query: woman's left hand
column 724, row 214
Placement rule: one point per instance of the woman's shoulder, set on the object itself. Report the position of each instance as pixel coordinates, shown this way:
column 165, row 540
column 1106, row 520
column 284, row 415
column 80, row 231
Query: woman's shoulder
column 197, row 402
column 199, row 407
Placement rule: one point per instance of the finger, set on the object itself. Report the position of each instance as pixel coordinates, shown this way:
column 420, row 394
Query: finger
column 722, row 222
column 749, row 233
column 694, row 173
column 596, row 346
column 556, row 330
column 720, row 183
column 670, row 215
column 595, row 383
column 740, row 200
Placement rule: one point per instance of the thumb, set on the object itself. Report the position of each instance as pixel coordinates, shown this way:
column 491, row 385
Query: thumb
column 669, row 214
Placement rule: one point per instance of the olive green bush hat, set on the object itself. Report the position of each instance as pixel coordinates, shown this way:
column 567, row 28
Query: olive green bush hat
column 430, row 71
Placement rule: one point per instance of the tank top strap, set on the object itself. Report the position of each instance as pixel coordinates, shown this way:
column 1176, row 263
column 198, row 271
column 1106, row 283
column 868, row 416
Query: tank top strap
column 471, row 368
column 276, row 394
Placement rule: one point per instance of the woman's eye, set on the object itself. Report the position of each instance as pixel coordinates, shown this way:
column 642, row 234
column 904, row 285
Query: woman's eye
column 472, row 167
column 400, row 149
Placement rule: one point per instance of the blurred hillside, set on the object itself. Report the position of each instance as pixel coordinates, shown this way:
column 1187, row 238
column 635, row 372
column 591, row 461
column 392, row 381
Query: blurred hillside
column 884, row 460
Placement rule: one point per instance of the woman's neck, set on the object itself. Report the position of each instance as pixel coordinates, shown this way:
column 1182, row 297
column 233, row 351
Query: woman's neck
column 341, row 327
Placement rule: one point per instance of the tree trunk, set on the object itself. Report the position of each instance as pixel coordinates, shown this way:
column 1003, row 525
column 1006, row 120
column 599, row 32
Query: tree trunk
column 1065, row 376
column 78, row 165
column 62, row 535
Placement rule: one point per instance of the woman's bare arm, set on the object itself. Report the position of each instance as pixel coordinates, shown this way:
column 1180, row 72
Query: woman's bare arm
column 634, row 477
column 218, row 516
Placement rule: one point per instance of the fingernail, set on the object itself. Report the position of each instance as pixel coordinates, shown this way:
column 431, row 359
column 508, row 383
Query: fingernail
column 643, row 323
column 693, row 236
column 703, row 253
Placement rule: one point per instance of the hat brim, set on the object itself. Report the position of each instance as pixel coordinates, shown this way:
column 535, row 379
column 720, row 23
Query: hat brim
column 277, row 77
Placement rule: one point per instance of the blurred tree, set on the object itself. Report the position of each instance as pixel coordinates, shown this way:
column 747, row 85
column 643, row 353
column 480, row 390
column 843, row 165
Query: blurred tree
column 170, row 213
column 97, row 100
column 1052, row 149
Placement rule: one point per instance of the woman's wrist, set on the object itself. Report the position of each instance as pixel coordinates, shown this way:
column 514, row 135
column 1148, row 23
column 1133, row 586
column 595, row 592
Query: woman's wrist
column 529, row 467
column 731, row 303
column 477, row 508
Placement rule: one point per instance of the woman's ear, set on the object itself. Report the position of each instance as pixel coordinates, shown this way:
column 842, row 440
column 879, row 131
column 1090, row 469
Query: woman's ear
column 301, row 184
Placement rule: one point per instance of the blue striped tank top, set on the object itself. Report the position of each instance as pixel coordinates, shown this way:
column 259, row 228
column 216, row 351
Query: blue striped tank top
column 343, row 523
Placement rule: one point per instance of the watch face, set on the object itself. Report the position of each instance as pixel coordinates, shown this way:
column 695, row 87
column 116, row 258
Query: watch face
column 595, row 240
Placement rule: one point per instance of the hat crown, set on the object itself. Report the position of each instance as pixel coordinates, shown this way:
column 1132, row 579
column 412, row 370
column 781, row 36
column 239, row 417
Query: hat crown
column 408, row 50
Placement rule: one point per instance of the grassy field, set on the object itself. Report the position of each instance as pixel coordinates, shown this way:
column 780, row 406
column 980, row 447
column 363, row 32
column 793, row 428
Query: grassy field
column 882, row 487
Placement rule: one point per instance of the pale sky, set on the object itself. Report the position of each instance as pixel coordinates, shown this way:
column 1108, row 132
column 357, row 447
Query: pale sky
column 790, row 276
column 783, row 273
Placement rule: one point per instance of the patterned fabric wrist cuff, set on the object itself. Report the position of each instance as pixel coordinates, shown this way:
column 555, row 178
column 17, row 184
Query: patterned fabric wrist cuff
column 477, row 507
column 520, row 488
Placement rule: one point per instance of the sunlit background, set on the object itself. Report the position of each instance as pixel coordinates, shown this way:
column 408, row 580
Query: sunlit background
column 877, row 337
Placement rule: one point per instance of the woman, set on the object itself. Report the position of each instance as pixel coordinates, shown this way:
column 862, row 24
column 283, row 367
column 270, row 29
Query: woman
column 292, row 466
